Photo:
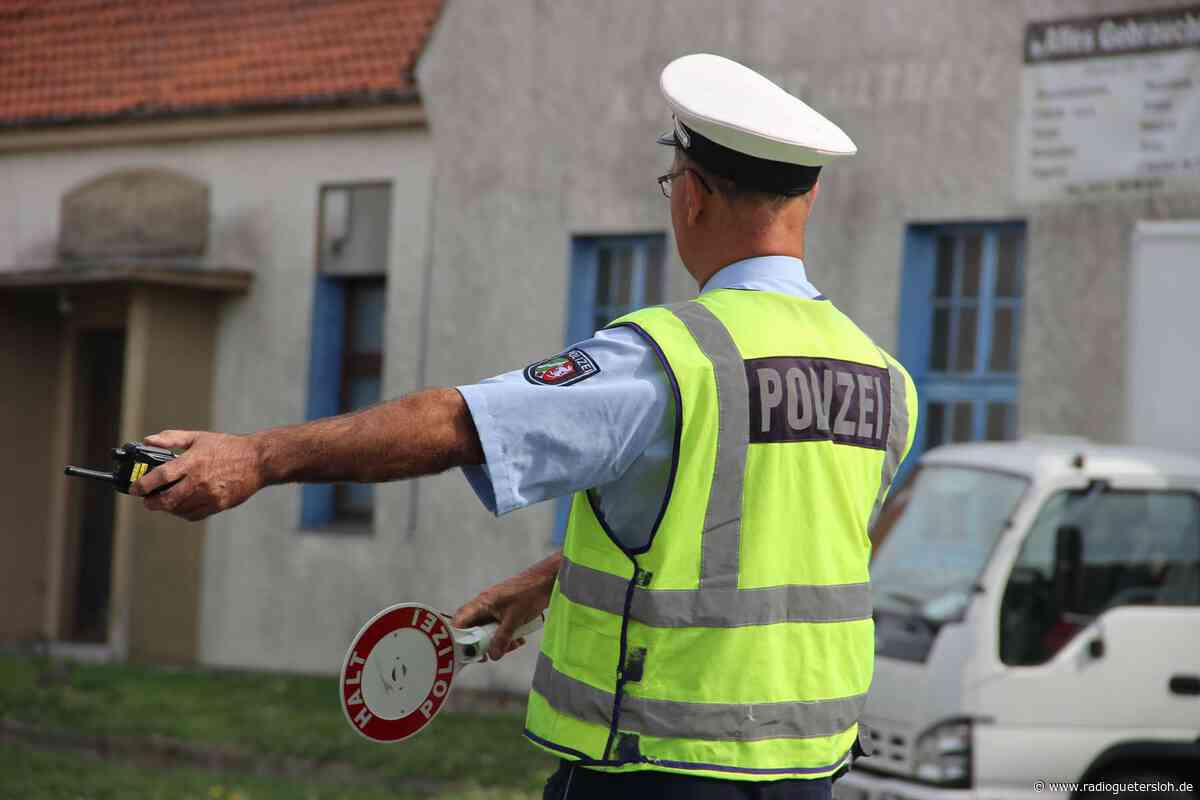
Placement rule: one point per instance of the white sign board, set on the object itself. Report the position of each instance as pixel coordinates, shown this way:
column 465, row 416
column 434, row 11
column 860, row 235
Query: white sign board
column 1110, row 107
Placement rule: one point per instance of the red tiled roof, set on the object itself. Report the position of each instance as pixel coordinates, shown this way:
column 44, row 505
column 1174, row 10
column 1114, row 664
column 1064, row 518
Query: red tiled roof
column 88, row 60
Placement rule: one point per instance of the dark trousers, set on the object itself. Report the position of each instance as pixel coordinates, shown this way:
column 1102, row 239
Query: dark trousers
column 579, row 783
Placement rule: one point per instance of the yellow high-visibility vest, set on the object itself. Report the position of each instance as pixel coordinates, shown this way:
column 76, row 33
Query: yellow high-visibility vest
column 739, row 642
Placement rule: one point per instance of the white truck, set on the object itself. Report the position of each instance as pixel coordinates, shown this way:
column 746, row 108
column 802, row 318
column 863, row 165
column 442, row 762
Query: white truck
column 1037, row 625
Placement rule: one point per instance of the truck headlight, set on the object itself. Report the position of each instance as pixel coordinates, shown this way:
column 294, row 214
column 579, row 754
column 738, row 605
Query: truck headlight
column 943, row 754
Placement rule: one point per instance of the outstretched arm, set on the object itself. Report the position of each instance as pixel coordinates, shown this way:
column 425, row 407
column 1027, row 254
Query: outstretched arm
column 419, row 434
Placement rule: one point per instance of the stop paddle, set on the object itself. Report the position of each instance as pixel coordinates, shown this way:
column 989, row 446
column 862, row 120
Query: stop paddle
column 401, row 666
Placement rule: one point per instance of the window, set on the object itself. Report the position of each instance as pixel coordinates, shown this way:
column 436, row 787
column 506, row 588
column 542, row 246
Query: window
column 1092, row 550
column 944, row 525
column 610, row 276
column 349, row 305
column 944, row 536
column 959, row 330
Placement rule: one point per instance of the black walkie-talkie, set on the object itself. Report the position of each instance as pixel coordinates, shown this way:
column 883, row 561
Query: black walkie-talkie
column 130, row 462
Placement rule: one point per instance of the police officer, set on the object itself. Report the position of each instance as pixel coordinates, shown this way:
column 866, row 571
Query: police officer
column 710, row 628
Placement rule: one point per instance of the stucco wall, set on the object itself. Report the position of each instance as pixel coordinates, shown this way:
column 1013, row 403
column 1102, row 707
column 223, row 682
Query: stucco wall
column 547, row 131
column 273, row 596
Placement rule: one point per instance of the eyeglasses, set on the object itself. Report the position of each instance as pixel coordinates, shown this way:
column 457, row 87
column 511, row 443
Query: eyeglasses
column 664, row 181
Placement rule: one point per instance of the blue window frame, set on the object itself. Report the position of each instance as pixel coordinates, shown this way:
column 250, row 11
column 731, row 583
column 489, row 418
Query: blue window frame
column 349, row 314
column 960, row 323
column 610, row 276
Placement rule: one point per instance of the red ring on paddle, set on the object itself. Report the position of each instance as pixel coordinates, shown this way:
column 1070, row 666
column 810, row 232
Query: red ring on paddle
column 417, row 617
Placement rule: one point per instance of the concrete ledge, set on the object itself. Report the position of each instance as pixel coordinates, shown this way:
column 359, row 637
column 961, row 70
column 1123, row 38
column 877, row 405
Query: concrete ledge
column 156, row 273
column 231, row 125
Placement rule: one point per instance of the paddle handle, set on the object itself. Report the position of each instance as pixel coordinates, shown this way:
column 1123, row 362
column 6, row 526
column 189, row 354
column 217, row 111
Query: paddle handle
column 532, row 626
column 478, row 640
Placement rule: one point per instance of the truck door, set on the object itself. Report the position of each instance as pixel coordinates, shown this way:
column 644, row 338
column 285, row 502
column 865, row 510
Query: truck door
column 1097, row 633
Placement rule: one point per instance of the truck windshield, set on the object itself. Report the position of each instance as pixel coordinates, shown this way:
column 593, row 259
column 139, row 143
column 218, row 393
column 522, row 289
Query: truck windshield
column 938, row 545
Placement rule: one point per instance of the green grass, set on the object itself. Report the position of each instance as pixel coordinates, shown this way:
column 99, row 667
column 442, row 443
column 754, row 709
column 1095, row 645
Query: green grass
column 267, row 714
column 35, row 775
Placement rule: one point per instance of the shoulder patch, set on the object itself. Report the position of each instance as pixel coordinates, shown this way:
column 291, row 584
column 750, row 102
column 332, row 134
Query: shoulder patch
column 571, row 367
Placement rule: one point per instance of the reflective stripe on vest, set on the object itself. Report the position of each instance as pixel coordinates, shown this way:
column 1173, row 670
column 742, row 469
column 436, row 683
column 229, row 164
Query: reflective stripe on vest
column 722, row 521
column 897, row 438
column 712, row 721
column 715, row 608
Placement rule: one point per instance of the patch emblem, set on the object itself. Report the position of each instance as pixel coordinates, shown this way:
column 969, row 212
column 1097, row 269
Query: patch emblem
column 572, row 366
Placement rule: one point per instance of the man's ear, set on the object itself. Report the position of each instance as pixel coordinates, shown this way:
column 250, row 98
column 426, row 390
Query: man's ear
column 694, row 197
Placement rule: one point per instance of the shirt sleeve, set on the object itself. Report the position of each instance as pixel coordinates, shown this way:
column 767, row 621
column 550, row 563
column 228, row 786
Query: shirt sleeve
column 543, row 441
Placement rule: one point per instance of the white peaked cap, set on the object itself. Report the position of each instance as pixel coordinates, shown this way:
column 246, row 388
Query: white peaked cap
column 741, row 110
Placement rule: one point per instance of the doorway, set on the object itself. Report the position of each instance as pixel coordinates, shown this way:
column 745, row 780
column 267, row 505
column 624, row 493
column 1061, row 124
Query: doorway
column 100, row 367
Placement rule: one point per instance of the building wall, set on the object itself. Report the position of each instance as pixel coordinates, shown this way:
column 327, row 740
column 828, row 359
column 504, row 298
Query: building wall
column 555, row 137
column 274, row 596
column 29, row 330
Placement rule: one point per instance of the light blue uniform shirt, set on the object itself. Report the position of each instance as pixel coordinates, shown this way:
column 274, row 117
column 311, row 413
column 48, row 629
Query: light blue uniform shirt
column 612, row 432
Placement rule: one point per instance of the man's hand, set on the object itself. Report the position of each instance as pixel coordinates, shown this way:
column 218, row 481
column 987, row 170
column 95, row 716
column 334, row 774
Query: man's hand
column 216, row 472
column 511, row 603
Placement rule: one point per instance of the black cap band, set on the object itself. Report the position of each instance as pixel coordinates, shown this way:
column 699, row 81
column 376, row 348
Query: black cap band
column 748, row 172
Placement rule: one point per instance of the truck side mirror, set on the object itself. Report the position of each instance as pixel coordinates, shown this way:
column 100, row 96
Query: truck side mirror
column 1068, row 558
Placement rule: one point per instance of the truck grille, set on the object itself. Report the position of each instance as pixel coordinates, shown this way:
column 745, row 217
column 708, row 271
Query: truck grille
column 889, row 746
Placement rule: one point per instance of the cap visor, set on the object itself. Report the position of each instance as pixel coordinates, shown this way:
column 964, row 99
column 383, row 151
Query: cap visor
column 668, row 139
